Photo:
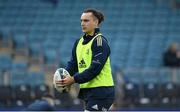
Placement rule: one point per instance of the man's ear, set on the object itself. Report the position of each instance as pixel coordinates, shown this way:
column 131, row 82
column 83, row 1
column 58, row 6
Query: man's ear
column 96, row 22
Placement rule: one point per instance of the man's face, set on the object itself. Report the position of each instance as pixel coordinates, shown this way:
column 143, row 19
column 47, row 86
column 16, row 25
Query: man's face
column 88, row 22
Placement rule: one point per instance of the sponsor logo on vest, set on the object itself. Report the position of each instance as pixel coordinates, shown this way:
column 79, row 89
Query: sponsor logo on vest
column 104, row 109
column 82, row 64
column 95, row 107
column 87, row 51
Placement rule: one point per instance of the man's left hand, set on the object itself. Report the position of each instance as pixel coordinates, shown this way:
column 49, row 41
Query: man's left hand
column 68, row 80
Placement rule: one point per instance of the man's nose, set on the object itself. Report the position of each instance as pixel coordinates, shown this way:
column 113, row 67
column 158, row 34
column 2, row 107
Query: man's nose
column 82, row 24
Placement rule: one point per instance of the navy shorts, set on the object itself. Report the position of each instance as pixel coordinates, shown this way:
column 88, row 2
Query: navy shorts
column 98, row 105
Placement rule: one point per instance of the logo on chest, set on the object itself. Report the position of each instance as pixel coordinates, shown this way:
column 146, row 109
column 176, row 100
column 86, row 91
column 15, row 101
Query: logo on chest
column 82, row 64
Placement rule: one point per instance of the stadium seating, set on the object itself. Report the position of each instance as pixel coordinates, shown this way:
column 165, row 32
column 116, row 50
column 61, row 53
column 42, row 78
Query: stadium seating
column 18, row 78
column 22, row 97
column 5, row 96
column 139, row 31
column 151, row 92
column 132, row 94
column 20, row 65
column 20, row 41
column 150, row 84
column 136, row 28
column 36, row 78
column 40, row 90
column 1, row 78
column 169, row 90
column 35, row 49
column 22, row 92
column 5, row 62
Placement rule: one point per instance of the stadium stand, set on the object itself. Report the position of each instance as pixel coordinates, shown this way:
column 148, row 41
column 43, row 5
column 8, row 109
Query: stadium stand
column 35, row 35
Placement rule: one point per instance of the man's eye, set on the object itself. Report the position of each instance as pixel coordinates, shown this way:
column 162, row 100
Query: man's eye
column 86, row 20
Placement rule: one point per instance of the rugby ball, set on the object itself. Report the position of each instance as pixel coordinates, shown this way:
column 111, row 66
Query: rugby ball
column 58, row 75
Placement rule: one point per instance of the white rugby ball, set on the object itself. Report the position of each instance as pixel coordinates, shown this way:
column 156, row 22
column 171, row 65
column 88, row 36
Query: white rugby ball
column 58, row 75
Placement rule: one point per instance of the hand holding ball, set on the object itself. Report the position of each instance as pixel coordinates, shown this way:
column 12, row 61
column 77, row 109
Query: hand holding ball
column 60, row 74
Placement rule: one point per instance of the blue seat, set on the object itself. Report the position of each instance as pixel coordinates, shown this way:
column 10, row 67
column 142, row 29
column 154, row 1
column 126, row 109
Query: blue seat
column 178, row 77
column 5, row 62
column 6, row 95
column 36, row 78
column 134, row 63
column 178, row 91
column 1, row 78
column 20, row 41
column 151, row 86
column 169, row 90
column 63, row 52
column 18, row 78
column 150, row 75
column 151, row 91
column 51, row 44
column 22, row 92
column 131, row 92
column 6, row 32
column 51, row 56
column 132, row 76
column 35, row 49
column 36, row 36
column 20, row 65
column 165, row 75
column 40, row 90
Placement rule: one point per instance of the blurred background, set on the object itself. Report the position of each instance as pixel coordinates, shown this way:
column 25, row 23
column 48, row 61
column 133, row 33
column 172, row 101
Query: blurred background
column 36, row 38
